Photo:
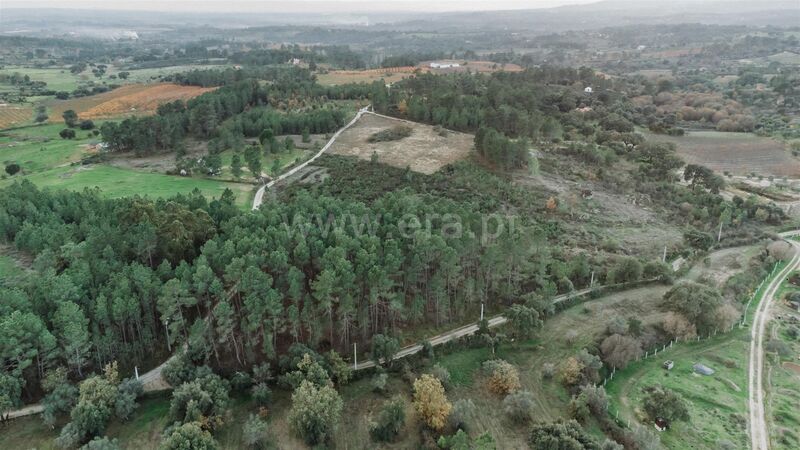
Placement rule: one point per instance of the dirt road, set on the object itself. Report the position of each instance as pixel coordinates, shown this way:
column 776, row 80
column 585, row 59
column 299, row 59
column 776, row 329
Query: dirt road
column 466, row 330
column 759, row 430
column 259, row 198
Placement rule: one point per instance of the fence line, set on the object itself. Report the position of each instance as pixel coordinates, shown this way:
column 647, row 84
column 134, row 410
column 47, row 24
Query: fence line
column 655, row 351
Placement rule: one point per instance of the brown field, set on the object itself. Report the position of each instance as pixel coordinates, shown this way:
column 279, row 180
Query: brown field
column 424, row 151
column 136, row 99
column 389, row 75
column 11, row 115
column 736, row 153
column 793, row 367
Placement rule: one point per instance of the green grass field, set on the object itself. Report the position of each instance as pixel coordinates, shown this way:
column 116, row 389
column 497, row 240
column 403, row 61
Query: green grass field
column 58, row 79
column 115, row 182
column 717, row 403
column 49, row 161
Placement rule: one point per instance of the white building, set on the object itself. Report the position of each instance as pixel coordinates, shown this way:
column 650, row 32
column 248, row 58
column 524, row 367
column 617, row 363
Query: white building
column 442, row 65
column 588, row 90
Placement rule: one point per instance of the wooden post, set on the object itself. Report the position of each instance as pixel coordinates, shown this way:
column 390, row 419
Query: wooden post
column 355, row 356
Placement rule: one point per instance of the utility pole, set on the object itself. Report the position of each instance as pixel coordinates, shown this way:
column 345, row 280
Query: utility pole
column 166, row 327
column 481, row 312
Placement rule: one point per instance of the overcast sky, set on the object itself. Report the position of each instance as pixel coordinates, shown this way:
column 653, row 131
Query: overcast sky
column 290, row 5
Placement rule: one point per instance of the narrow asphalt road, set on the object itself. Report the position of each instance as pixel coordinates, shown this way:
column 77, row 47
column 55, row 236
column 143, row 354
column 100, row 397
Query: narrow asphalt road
column 757, row 418
column 259, row 198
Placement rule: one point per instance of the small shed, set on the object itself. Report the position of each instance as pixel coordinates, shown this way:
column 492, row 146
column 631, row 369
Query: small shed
column 703, row 369
column 669, row 364
column 588, row 90
column 661, row 424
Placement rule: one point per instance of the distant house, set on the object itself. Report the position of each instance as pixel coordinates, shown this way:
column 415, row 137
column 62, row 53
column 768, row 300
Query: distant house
column 702, row 369
column 444, row 65
column 588, row 90
column 295, row 61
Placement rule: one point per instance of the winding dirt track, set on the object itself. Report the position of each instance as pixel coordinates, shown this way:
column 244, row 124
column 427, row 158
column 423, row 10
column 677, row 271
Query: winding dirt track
column 757, row 419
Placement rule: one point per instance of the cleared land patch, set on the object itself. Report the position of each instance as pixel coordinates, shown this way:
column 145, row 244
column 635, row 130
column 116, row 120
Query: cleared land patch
column 136, row 99
column 736, row 153
column 11, row 115
column 426, row 150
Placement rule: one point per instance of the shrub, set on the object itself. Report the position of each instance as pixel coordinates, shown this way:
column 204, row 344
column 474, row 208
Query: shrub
column 12, row 169
column 391, row 134
column 262, row 394
column 255, row 433
column 390, row 420
column 430, row 402
column 662, row 402
column 67, row 133
column 315, row 412
column 379, row 382
column 503, row 377
column 462, row 413
column 442, row 374
column 519, row 406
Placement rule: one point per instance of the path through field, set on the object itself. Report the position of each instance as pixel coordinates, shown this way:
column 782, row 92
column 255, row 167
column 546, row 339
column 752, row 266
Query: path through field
column 259, row 198
column 759, row 431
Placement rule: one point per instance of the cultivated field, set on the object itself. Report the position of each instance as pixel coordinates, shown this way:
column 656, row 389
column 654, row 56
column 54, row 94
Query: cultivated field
column 736, row 153
column 134, row 99
column 425, row 151
column 12, row 115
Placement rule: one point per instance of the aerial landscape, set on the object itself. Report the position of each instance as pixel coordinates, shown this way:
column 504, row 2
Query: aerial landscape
column 324, row 224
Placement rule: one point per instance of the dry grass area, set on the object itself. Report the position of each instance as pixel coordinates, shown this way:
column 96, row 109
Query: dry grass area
column 425, row 151
column 394, row 74
column 736, row 153
column 137, row 99
column 388, row 75
column 11, row 115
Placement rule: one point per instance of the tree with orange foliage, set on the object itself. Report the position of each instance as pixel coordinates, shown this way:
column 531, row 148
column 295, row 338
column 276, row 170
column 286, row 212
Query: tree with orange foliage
column 430, row 401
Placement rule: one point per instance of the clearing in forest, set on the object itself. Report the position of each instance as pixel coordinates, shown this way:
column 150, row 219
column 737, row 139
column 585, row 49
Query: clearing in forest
column 136, row 99
column 736, row 153
column 426, row 150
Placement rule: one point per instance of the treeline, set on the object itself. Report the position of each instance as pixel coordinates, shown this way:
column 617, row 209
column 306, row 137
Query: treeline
column 99, row 270
column 320, row 271
column 537, row 104
column 203, row 116
column 340, row 56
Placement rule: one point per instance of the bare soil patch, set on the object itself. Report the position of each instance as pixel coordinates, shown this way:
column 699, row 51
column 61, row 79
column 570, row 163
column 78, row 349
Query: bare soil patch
column 133, row 99
column 793, row 367
column 425, row 150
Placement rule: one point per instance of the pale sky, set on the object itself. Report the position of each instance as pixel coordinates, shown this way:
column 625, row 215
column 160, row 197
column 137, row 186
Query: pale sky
column 291, row 5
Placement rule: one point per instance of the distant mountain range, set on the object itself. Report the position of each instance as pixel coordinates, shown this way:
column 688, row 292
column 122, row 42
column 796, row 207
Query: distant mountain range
column 589, row 16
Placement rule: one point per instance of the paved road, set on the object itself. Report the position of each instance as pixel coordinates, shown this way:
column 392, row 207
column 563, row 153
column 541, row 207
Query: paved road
column 259, row 198
column 759, row 429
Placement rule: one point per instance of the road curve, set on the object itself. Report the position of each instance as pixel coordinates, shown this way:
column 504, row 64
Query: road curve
column 759, row 430
column 259, row 198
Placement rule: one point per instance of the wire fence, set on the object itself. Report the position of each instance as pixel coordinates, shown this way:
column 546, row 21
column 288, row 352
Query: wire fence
column 660, row 350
